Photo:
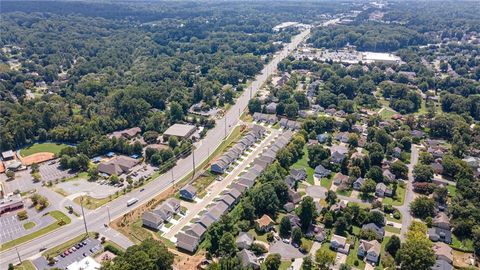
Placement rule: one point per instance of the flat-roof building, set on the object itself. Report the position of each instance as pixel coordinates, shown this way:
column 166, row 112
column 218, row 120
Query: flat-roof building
column 182, row 131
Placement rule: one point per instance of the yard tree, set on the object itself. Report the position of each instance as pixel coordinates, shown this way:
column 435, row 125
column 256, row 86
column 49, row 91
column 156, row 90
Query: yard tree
column 150, row 254
column 254, row 105
column 297, row 235
column 93, row 174
column 316, row 154
column 393, row 245
column 307, row 263
column 422, row 207
column 426, row 158
column 248, row 210
column 307, row 212
column 285, row 227
column 344, row 266
column 399, row 169
column 273, row 261
column 423, row 173
column 416, row 253
column 328, row 219
column 375, row 173
column 331, row 197
column 376, row 217
column 265, row 200
column 324, row 258
column 368, row 187
column 341, row 225
column 440, row 194
column 227, row 246
column 176, row 112
column 376, row 158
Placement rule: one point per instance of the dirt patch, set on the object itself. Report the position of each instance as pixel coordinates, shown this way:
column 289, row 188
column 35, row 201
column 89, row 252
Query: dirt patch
column 124, row 223
column 2, row 168
column 185, row 261
column 462, row 259
column 37, row 158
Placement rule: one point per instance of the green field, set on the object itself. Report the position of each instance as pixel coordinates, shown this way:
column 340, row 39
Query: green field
column 42, row 147
column 303, row 164
column 29, row 225
column 25, row 265
column 59, row 216
column 462, row 245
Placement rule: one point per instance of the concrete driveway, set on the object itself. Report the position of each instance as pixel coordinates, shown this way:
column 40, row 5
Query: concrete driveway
column 287, row 251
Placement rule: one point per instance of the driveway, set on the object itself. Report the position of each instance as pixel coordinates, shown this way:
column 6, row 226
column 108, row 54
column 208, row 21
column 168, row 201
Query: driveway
column 287, row 251
column 317, row 192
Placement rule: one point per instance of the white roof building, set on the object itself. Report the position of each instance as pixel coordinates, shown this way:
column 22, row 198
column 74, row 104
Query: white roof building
column 87, row 263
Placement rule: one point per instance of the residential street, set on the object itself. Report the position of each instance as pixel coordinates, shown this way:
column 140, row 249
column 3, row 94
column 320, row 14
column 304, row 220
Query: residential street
column 97, row 218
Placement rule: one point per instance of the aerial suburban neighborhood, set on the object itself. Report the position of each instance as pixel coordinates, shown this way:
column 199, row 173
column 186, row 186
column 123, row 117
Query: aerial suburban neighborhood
column 248, row 135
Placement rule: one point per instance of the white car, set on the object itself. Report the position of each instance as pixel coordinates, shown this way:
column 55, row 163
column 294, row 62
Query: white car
column 286, row 241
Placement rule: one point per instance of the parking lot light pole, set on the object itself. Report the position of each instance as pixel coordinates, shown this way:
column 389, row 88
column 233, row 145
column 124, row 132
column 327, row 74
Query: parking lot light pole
column 83, row 214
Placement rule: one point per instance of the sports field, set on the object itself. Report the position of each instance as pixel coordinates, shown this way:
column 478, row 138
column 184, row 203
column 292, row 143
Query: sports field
column 42, row 147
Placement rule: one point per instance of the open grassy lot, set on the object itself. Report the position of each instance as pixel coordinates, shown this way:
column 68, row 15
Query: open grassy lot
column 352, row 257
column 69, row 243
column 42, row 147
column 62, row 220
column 452, row 190
column 465, row 245
column 392, row 229
column 303, row 164
column 387, row 114
column 93, row 203
column 399, row 199
column 25, row 265
column 285, row 265
column 326, row 182
column 29, row 225
column 258, row 236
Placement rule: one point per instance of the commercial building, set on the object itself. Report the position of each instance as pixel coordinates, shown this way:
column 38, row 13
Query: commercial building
column 181, row 131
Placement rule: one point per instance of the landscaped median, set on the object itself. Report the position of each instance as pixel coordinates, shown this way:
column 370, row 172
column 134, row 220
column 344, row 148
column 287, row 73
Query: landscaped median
column 61, row 220
column 62, row 247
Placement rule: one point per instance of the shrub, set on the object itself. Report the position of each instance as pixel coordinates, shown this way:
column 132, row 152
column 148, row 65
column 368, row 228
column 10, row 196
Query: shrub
column 22, row 215
column 113, row 249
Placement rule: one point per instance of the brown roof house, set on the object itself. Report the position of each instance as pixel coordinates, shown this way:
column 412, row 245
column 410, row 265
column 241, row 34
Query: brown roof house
column 117, row 165
column 265, row 223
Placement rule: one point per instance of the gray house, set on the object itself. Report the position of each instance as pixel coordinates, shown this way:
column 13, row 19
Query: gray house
column 152, row 220
column 188, row 192
column 244, row 240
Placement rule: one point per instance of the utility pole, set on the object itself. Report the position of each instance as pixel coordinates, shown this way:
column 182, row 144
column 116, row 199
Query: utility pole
column 108, row 211
column 16, row 249
column 173, row 179
column 225, row 135
column 193, row 158
column 83, row 214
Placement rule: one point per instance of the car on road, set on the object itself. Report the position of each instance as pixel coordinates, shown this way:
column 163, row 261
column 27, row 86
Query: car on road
column 286, row 241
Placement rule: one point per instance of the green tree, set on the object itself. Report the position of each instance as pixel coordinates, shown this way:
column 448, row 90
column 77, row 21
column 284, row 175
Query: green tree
column 285, row 227
column 273, row 261
column 254, row 105
column 176, row 112
column 422, row 207
column 227, row 246
column 423, row 173
column 375, row 173
column 416, row 253
column 307, row 263
column 399, row 169
column 331, row 197
column 297, row 236
column 324, row 258
column 307, row 212
column 368, row 187
column 393, row 245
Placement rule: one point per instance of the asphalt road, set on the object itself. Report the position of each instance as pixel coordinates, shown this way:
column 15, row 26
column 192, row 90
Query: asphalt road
column 95, row 219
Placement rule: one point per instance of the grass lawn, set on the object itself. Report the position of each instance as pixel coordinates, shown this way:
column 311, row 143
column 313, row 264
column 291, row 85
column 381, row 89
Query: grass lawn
column 382, row 251
column 137, row 233
column 29, row 225
column 352, row 257
column 356, row 230
column 387, row 114
column 452, row 190
column 42, row 147
column 345, row 193
column 463, row 245
column 202, row 182
column 387, row 216
column 168, row 225
column 62, row 247
column 25, row 265
column 59, row 216
column 400, row 197
column 260, row 237
column 93, row 203
column 111, row 243
column 392, row 229
column 285, row 265
column 303, row 163
column 326, row 182
column 307, row 243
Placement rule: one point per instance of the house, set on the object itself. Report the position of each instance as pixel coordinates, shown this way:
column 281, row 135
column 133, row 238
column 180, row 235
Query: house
column 370, row 250
column 289, row 207
column 323, row 138
column 126, row 133
column 443, row 252
column 294, row 220
column 436, row 234
column 339, row 243
column 342, row 137
column 271, row 108
column 234, row 193
column 379, row 231
column 196, row 230
column 382, row 190
column 187, row 242
column 442, row 221
column 473, row 162
column 265, row 223
column 338, row 206
column 417, row 134
column 321, row 172
column 217, row 210
column 316, row 232
column 181, row 131
column 388, row 176
column 290, row 181
column 299, row 174
column 188, row 192
column 248, row 259
column 244, row 240
column 8, row 155
column 437, row 167
column 283, row 80
column 294, row 197
column 228, row 200
column 117, row 165
column 238, row 186
column 340, row 179
column 206, row 221
column 396, row 152
column 220, row 165
column 442, row 265
column 358, row 184
column 337, row 157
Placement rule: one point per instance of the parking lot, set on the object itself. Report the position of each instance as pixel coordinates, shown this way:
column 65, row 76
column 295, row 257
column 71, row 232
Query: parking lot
column 92, row 247
column 51, row 171
column 93, row 189
column 12, row 228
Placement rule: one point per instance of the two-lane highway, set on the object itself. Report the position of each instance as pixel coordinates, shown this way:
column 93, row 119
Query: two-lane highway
column 95, row 219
